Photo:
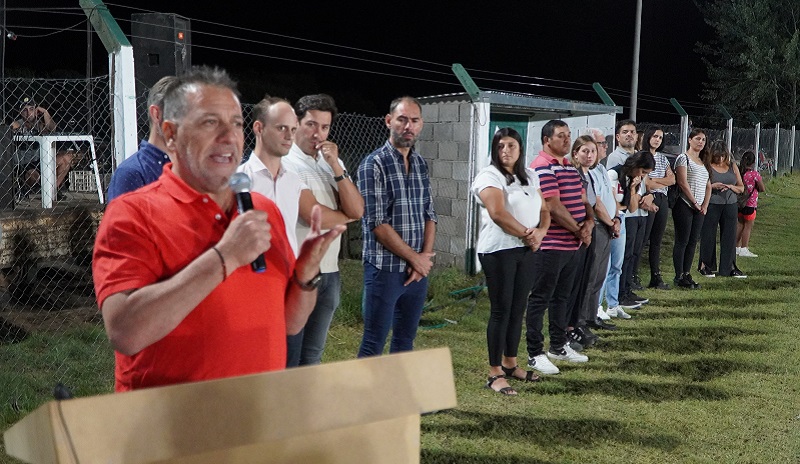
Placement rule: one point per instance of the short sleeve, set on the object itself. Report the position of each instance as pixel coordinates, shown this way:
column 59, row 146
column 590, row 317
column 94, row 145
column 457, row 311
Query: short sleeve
column 487, row 178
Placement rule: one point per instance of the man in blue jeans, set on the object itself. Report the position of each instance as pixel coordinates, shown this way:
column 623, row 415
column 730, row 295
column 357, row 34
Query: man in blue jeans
column 316, row 161
column 399, row 226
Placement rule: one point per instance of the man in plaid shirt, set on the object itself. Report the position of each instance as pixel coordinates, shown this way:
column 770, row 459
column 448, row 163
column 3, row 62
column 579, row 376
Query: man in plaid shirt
column 399, row 225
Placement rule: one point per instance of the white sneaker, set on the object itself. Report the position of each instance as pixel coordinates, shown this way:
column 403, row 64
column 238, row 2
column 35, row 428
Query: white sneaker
column 746, row 253
column 567, row 354
column 542, row 364
column 617, row 311
column 739, row 251
column 602, row 314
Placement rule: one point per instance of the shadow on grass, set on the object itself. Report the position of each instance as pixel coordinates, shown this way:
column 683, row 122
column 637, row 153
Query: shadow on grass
column 683, row 340
column 631, row 390
column 734, row 302
column 711, row 314
column 544, row 432
column 695, row 370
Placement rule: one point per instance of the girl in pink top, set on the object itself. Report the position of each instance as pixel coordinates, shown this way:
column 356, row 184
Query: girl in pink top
column 747, row 215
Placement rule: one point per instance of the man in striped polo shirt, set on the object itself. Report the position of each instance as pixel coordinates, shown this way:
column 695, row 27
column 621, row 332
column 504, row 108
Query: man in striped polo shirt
column 557, row 262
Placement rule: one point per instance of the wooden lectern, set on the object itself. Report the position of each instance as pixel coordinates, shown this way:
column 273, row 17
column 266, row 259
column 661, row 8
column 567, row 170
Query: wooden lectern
column 361, row 411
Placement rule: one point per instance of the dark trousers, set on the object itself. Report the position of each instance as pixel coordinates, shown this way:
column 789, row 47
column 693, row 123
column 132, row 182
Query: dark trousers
column 508, row 281
column 688, row 222
column 554, row 275
column 634, row 242
column 724, row 216
column 598, row 271
column 654, row 232
column 585, row 261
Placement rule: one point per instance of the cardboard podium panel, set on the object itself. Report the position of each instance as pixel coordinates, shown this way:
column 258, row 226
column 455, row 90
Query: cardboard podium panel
column 393, row 441
column 338, row 404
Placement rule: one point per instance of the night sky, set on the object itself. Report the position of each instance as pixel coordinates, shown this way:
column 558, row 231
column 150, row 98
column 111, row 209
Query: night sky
column 567, row 45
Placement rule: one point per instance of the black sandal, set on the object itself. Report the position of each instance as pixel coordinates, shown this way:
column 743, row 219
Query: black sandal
column 503, row 391
column 530, row 376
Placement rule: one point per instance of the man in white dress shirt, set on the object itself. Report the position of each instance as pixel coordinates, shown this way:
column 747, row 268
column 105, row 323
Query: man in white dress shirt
column 274, row 126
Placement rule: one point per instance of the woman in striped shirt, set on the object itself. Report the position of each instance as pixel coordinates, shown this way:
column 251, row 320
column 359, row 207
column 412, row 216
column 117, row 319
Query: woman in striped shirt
column 691, row 207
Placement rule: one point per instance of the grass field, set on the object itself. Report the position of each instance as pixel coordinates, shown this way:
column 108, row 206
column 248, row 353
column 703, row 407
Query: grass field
column 696, row 376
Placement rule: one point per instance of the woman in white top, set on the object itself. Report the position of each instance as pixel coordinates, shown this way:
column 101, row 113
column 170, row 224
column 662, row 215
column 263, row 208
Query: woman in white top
column 514, row 219
column 690, row 209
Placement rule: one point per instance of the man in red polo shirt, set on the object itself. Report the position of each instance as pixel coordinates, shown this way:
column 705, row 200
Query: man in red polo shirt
column 171, row 260
column 557, row 262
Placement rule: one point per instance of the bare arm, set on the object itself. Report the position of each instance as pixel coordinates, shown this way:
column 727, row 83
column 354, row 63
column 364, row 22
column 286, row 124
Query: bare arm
column 738, row 187
column 683, row 185
column 494, row 202
column 330, row 217
column 350, row 200
column 138, row 318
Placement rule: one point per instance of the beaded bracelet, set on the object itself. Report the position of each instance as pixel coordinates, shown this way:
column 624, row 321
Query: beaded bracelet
column 222, row 260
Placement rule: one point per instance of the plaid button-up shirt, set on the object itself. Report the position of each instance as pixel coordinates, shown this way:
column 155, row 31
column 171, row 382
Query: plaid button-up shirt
column 392, row 196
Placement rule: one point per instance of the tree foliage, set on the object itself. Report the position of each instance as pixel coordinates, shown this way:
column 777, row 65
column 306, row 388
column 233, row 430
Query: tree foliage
column 753, row 60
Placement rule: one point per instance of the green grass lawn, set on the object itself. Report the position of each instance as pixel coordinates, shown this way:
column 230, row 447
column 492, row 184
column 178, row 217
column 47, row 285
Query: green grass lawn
column 696, row 376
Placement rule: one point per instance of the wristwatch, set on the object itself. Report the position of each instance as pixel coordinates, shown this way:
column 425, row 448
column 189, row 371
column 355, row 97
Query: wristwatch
column 344, row 176
column 311, row 284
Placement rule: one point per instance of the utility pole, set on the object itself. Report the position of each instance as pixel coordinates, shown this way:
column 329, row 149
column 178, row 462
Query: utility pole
column 635, row 78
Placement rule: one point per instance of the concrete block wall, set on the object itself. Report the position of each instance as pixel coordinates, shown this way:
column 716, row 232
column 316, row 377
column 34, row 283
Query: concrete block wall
column 445, row 144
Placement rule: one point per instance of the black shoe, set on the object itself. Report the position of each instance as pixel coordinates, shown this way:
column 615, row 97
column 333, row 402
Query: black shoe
column 637, row 298
column 657, row 282
column 706, row 272
column 601, row 324
column 590, row 336
column 577, row 335
column 686, row 281
column 629, row 303
column 736, row 272
column 637, row 283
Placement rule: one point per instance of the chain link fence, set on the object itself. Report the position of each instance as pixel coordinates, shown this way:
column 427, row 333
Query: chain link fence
column 770, row 162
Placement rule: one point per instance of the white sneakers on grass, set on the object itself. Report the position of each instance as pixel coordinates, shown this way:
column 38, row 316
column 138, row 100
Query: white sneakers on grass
column 602, row 314
column 567, row 354
column 745, row 252
column 617, row 311
column 542, row 364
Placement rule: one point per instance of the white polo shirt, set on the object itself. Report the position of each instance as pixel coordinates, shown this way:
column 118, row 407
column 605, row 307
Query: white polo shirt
column 318, row 176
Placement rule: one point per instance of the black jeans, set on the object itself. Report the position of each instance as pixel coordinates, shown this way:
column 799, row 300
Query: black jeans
column 724, row 216
column 554, row 274
column 585, row 263
column 634, row 242
column 508, row 281
column 654, row 233
column 688, row 222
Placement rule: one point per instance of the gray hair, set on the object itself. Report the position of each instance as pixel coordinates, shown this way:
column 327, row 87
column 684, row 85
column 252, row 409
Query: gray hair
column 175, row 95
column 594, row 132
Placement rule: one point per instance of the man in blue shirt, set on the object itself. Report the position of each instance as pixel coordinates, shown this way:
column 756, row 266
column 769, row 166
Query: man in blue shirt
column 399, row 226
column 145, row 166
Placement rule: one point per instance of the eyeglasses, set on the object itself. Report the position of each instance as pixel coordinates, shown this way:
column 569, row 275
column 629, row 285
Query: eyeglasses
column 602, row 144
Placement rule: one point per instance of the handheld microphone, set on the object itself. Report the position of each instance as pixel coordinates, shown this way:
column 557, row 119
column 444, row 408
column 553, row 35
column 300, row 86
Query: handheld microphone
column 240, row 184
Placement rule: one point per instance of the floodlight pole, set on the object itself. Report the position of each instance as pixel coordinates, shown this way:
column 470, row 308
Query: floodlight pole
column 635, row 72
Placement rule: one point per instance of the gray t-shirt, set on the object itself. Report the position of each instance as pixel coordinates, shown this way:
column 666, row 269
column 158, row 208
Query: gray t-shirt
column 720, row 197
